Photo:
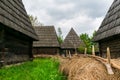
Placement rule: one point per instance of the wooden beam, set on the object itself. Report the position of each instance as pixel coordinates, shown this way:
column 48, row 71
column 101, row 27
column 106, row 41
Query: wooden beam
column 109, row 68
column 104, row 62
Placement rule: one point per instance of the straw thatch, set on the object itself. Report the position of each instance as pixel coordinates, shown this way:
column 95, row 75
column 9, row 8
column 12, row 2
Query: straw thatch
column 71, row 41
column 14, row 15
column 47, row 37
column 85, row 68
column 111, row 23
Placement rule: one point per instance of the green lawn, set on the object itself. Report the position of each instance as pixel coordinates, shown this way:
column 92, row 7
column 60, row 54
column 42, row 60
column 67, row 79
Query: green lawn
column 39, row 69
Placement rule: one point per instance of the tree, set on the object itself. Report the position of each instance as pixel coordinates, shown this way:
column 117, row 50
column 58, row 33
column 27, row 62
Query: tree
column 60, row 37
column 88, row 41
column 34, row 21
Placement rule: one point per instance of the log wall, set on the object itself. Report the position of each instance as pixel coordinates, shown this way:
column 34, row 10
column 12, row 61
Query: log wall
column 15, row 47
column 50, row 51
column 114, row 45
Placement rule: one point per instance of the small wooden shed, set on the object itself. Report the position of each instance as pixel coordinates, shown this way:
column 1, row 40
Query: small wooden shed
column 16, row 32
column 108, row 35
column 48, row 41
column 72, row 42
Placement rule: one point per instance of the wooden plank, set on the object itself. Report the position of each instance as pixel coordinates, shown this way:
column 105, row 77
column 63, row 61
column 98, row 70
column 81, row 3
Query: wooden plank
column 105, row 63
column 109, row 68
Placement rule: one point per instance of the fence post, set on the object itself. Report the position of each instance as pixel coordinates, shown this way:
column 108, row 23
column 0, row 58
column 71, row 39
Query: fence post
column 70, row 54
column 85, row 52
column 93, row 50
column 108, row 55
column 76, row 52
column 108, row 65
column 67, row 55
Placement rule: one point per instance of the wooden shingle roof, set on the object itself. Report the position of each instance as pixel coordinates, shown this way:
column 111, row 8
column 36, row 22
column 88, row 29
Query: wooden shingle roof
column 14, row 15
column 71, row 41
column 111, row 23
column 47, row 37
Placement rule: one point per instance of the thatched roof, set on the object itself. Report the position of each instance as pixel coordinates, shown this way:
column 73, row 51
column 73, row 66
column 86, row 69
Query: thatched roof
column 111, row 23
column 47, row 37
column 71, row 41
column 14, row 15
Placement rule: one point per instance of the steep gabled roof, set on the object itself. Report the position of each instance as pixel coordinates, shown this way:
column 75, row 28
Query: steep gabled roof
column 111, row 23
column 14, row 15
column 47, row 37
column 71, row 41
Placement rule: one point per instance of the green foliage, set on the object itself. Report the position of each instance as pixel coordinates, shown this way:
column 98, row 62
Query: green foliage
column 60, row 37
column 88, row 41
column 81, row 49
column 39, row 69
column 34, row 21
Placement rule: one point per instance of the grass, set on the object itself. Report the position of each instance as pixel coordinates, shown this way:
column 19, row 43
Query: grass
column 39, row 69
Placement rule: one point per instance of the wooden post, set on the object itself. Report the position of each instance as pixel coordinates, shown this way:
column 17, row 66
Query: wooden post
column 58, row 52
column 108, row 55
column 76, row 51
column 70, row 54
column 2, row 35
column 108, row 65
column 85, row 52
column 66, row 53
column 93, row 50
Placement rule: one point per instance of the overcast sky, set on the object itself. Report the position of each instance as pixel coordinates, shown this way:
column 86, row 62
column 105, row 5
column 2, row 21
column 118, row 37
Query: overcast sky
column 84, row 16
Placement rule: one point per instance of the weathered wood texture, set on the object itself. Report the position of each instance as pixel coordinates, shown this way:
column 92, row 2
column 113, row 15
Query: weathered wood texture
column 16, row 32
column 14, row 15
column 47, row 37
column 111, row 23
column 113, row 44
column 72, row 41
column 48, row 42
column 15, row 47
column 109, row 29
column 50, row 51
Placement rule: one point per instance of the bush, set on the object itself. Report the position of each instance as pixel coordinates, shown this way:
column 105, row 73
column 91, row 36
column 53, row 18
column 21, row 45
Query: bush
column 81, row 49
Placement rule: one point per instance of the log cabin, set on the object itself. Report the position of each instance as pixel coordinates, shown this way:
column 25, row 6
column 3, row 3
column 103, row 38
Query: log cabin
column 71, row 43
column 16, row 32
column 48, row 41
column 108, row 34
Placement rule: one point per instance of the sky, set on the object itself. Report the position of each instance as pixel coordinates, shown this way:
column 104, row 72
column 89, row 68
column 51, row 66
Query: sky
column 85, row 16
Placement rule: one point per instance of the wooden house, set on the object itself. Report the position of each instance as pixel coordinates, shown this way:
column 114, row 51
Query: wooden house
column 72, row 42
column 108, row 35
column 16, row 32
column 48, row 41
